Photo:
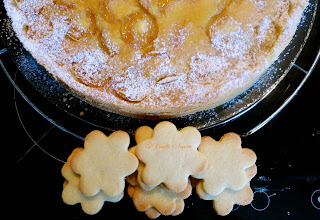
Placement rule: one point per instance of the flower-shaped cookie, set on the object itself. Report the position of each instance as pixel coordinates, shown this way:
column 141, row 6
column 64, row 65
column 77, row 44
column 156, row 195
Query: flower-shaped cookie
column 71, row 194
column 227, row 162
column 251, row 172
column 159, row 199
column 104, row 163
column 91, row 205
column 166, row 201
column 223, row 203
column 171, row 156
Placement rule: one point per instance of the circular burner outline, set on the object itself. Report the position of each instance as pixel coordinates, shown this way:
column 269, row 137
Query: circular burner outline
column 318, row 190
column 257, row 209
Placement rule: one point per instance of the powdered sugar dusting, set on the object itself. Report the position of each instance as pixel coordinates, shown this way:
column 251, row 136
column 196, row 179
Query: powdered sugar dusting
column 231, row 44
column 260, row 4
column 188, row 67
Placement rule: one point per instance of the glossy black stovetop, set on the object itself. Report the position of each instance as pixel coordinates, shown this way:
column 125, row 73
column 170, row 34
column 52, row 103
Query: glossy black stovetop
column 287, row 185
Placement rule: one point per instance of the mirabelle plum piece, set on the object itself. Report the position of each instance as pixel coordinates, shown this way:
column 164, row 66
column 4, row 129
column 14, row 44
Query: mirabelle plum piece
column 88, row 77
column 105, row 11
column 82, row 26
column 139, row 30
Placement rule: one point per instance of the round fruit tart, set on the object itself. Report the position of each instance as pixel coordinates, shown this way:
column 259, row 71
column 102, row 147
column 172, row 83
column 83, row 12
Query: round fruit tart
column 155, row 58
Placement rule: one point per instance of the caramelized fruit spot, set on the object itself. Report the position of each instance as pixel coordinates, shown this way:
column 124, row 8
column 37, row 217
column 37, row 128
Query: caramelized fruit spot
column 82, row 26
column 162, row 5
column 106, row 12
column 139, row 30
column 90, row 78
column 108, row 44
column 69, row 3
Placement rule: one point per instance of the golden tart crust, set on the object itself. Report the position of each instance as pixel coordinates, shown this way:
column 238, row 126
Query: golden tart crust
column 155, row 58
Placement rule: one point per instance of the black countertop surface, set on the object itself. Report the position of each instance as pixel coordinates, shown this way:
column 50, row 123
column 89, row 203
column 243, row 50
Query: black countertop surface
column 287, row 185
